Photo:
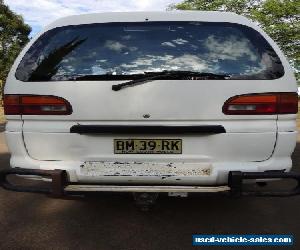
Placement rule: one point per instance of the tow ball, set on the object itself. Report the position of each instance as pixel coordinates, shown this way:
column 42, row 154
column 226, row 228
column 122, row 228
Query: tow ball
column 145, row 201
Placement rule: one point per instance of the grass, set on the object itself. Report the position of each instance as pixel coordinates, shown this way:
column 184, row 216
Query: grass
column 2, row 117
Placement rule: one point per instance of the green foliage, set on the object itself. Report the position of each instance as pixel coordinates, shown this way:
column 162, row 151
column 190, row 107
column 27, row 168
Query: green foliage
column 237, row 6
column 280, row 19
column 13, row 36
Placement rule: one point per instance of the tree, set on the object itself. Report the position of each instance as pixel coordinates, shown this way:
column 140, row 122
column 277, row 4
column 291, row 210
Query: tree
column 13, row 36
column 280, row 19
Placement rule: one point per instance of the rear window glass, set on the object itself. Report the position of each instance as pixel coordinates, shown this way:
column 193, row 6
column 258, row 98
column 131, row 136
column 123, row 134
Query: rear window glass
column 113, row 51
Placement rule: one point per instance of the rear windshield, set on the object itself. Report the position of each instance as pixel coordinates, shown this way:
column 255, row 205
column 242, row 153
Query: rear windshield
column 113, row 51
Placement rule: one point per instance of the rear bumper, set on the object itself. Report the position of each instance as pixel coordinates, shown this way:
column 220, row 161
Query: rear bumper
column 60, row 186
column 191, row 169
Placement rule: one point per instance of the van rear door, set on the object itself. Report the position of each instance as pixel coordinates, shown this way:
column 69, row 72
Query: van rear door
column 80, row 63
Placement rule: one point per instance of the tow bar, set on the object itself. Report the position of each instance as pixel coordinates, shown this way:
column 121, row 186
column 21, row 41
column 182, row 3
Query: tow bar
column 146, row 195
column 235, row 182
column 56, row 189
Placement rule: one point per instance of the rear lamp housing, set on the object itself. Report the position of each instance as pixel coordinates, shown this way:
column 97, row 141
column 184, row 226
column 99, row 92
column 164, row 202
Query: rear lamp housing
column 36, row 105
column 262, row 104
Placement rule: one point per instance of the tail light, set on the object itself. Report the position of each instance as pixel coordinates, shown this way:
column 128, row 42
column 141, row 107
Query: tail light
column 36, row 105
column 262, row 104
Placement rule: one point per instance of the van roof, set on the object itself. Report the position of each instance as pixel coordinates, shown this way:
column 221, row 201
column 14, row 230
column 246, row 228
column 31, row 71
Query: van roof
column 211, row 16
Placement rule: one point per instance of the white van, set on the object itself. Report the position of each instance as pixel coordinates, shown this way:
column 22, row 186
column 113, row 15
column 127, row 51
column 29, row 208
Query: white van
column 151, row 102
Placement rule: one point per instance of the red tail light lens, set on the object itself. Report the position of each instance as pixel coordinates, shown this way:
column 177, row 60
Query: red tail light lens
column 288, row 103
column 262, row 104
column 36, row 105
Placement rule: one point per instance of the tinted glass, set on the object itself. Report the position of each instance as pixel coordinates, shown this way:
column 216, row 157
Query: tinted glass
column 124, row 50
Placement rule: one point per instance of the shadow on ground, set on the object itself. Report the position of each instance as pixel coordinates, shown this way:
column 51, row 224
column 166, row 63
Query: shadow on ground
column 30, row 221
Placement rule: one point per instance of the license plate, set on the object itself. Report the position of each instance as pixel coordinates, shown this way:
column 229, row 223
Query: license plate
column 147, row 146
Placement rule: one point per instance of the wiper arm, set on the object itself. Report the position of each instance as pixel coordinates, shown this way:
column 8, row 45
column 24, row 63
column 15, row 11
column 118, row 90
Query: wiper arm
column 135, row 82
column 150, row 76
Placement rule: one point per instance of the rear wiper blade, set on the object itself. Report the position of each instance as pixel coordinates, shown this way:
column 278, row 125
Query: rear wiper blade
column 150, row 76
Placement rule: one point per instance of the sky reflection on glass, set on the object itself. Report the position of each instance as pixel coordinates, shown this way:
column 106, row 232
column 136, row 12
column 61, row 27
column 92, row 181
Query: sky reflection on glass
column 128, row 49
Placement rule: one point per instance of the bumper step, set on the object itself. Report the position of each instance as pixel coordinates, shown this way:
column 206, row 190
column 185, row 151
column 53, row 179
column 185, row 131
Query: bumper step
column 145, row 189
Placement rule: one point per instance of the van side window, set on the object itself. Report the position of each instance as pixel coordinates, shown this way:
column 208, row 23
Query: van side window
column 117, row 51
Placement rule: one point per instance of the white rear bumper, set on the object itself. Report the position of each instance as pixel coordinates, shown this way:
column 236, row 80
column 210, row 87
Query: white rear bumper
column 179, row 173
